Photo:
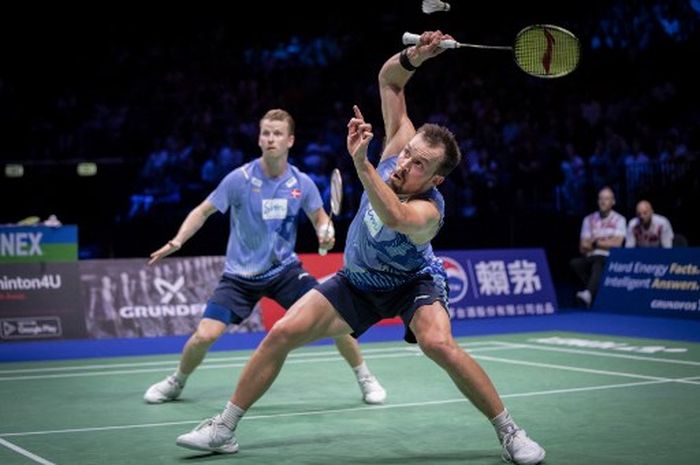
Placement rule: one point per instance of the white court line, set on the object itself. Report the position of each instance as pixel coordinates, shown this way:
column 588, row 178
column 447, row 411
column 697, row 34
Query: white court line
column 212, row 360
column 399, row 353
column 25, row 452
column 345, row 410
column 518, row 345
column 207, row 367
column 406, row 352
column 170, row 363
column 584, row 370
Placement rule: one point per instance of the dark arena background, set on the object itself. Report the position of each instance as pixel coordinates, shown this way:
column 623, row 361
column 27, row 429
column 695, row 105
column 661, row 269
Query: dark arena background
column 117, row 122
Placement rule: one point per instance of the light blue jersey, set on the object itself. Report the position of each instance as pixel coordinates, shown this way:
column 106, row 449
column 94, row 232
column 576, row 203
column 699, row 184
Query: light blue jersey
column 264, row 215
column 378, row 258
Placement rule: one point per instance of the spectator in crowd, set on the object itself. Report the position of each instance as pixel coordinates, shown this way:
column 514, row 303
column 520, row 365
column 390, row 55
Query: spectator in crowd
column 600, row 232
column 573, row 170
column 648, row 229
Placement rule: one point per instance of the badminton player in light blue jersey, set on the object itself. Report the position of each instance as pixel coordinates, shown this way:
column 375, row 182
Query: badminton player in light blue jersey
column 264, row 198
column 389, row 270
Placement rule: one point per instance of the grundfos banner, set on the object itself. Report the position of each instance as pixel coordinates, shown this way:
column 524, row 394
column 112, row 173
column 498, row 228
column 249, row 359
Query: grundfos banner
column 128, row 298
column 40, row 301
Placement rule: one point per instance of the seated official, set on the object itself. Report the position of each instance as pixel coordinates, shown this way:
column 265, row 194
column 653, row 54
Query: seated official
column 600, row 232
column 648, row 229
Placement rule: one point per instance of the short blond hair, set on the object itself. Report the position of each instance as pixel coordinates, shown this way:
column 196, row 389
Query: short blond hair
column 278, row 114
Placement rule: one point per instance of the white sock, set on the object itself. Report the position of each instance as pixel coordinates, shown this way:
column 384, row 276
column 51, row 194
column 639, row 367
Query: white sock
column 231, row 415
column 504, row 424
column 180, row 377
column 362, row 371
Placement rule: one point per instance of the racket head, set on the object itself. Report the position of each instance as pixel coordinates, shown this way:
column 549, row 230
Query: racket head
column 336, row 192
column 546, row 51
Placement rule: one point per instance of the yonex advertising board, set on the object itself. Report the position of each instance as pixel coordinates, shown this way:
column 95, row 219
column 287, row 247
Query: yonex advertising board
column 654, row 281
column 26, row 244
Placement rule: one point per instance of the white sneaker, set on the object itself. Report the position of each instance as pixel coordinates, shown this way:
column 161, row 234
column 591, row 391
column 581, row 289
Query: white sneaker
column 164, row 391
column 519, row 448
column 585, row 297
column 372, row 391
column 211, row 435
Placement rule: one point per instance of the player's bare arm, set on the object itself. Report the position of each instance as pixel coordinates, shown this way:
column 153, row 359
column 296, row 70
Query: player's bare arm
column 393, row 77
column 193, row 222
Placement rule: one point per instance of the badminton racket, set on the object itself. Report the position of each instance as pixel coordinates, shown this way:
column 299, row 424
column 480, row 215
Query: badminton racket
column 541, row 50
column 336, row 200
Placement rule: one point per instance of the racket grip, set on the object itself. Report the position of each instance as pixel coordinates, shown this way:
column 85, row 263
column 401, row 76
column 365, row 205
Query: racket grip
column 412, row 39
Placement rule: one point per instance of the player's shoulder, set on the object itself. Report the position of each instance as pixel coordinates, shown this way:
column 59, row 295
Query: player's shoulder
column 432, row 196
column 388, row 161
column 302, row 178
column 243, row 171
column 296, row 172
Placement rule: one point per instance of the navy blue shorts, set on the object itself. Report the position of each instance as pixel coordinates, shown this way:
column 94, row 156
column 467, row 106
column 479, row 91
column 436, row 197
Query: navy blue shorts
column 234, row 298
column 362, row 309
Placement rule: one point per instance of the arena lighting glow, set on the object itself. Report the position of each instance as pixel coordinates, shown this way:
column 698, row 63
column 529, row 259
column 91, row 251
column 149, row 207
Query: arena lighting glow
column 14, row 170
column 86, row 169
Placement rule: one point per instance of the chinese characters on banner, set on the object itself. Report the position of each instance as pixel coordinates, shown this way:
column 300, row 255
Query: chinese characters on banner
column 509, row 282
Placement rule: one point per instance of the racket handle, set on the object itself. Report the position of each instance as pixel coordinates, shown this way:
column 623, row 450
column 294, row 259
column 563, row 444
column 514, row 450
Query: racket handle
column 412, row 39
column 330, row 230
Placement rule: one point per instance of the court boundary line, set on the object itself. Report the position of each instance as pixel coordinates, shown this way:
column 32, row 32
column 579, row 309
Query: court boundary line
column 398, row 353
column 294, row 354
column 585, row 370
column 514, row 345
column 523, row 345
column 25, row 452
column 366, row 408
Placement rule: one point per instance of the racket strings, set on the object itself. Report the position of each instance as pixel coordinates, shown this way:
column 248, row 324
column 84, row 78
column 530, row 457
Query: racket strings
column 336, row 192
column 547, row 51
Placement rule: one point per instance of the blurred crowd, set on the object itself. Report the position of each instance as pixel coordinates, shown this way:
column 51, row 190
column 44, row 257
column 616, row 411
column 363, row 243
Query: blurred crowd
column 184, row 113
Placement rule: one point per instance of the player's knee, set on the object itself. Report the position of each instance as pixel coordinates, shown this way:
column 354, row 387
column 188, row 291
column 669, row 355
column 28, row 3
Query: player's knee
column 206, row 336
column 284, row 333
column 435, row 346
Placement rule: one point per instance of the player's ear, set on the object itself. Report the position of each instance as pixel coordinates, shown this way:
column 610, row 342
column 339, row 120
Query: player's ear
column 437, row 179
column 290, row 141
